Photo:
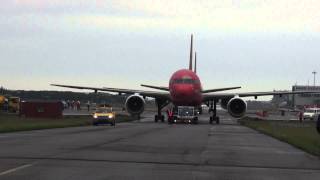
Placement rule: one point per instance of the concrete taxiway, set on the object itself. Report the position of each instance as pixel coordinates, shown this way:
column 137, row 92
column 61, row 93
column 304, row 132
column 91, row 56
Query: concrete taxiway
column 147, row 150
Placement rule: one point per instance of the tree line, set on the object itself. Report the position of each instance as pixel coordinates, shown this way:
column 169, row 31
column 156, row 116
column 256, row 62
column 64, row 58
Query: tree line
column 99, row 97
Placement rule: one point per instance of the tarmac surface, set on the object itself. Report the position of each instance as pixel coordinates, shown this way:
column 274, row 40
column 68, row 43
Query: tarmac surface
column 148, row 150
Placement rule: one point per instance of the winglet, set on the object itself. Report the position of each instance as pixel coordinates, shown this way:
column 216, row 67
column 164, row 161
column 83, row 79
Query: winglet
column 191, row 53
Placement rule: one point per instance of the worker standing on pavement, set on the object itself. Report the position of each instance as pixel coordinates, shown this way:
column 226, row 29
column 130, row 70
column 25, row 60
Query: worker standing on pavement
column 88, row 105
column 6, row 105
column 318, row 124
column 300, row 116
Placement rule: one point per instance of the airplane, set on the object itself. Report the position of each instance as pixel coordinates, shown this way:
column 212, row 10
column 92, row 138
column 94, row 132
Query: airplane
column 185, row 90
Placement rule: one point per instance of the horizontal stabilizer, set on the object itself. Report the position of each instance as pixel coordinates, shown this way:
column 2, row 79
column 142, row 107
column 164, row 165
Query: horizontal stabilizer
column 220, row 89
column 156, row 87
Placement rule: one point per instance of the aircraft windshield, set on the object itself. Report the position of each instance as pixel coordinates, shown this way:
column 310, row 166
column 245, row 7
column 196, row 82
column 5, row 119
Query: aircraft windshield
column 106, row 110
column 184, row 81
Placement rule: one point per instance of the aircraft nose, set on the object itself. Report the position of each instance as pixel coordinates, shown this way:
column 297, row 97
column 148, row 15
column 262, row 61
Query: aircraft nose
column 183, row 90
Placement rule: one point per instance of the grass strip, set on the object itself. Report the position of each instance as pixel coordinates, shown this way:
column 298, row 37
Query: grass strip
column 13, row 123
column 301, row 135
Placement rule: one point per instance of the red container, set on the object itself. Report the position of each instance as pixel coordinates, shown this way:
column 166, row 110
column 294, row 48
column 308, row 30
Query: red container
column 41, row 109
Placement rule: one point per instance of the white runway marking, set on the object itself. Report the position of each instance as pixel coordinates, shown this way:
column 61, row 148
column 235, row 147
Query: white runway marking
column 15, row 169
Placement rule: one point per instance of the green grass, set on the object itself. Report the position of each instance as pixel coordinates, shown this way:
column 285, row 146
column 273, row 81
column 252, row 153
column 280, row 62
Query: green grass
column 302, row 135
column 12, row 123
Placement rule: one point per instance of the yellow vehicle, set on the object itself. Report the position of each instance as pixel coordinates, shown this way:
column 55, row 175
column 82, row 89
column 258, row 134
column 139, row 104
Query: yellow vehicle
column 104, row 116
column 2, row 102
column 14, row 104
column 2, row 99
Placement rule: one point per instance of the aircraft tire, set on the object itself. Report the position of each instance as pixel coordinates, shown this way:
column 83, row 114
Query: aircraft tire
column 195, row 120
column 162, row 118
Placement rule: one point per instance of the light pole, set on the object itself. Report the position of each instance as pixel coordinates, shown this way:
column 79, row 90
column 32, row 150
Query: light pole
column 314, row 78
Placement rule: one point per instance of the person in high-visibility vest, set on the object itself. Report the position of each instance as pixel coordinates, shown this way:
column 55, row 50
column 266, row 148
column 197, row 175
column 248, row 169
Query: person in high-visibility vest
column 318, row 124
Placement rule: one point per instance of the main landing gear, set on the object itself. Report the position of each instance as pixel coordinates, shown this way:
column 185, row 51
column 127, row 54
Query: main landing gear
column 213, row 109
column 160, row 105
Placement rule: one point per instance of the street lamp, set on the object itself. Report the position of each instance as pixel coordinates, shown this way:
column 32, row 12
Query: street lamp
column 314, row 78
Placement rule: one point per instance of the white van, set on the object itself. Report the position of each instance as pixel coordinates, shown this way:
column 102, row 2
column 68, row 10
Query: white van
column 311, row 113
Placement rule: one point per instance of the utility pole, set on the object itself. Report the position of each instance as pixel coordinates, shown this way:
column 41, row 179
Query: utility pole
column 314, row 78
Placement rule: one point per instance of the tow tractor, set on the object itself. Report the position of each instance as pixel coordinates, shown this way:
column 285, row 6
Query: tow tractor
column 185, row 114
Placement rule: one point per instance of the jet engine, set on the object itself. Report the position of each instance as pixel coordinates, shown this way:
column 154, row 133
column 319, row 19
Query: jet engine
column 237, row 107
column 135, row 104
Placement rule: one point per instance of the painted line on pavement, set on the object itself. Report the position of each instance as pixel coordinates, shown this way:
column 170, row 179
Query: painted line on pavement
column 15, row 169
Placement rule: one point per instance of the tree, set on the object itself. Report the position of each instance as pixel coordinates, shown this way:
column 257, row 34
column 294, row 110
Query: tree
column 2, row 89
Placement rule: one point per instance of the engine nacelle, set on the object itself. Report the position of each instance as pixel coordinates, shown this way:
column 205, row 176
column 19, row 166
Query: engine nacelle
column 237, row 107
column 135, row 104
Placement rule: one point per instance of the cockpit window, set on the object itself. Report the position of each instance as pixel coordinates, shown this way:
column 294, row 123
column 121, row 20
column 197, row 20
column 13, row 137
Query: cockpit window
column 185, row 81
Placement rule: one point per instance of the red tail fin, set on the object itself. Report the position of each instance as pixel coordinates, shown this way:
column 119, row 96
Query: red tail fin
column 191, row 53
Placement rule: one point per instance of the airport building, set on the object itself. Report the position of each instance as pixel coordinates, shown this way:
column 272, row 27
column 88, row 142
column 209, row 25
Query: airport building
column 299, row 100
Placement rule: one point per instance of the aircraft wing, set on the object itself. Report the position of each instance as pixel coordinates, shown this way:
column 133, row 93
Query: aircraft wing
column 154, row 94
column 216, row 96
column 156, row 87
column 220, row 89
column 203, row 91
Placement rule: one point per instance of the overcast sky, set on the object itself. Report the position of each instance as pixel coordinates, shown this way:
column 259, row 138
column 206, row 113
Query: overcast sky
column 260, row 45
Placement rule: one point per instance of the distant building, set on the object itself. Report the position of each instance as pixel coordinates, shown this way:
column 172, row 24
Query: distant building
column 301, row 100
